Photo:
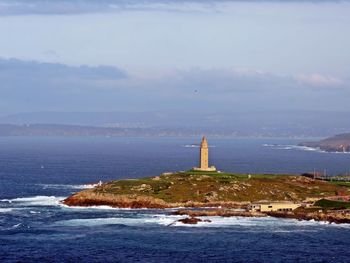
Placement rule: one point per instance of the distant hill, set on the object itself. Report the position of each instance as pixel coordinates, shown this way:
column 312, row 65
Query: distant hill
column 239, row 123
column 337, row 143
column 76, row 130
column 60, row 130
column 331, row 144
column 96, row 119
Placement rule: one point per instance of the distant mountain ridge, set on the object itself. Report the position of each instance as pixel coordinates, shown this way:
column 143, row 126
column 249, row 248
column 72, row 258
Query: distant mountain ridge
column 76, row 130
column 60, row 130
column 243, row 123
column 337, row 143
column 70, row 130
column 105, row 119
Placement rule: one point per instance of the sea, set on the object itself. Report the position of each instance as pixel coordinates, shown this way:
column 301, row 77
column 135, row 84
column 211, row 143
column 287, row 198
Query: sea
column 37, row 173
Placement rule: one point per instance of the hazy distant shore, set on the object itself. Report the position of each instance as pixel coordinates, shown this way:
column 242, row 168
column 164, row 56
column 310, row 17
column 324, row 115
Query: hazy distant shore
column 61, row 130
column 337, row 143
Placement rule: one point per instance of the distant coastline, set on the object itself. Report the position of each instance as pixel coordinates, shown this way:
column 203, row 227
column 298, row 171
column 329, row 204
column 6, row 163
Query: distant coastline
column 68, row 130
column 337, row 143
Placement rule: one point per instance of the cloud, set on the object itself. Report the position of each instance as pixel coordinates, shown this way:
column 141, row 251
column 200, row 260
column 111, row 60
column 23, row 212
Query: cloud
column 33, row 70
column 20, row 7
column 320, row 80
column 35, row 86
column 26, row 85
column 218, row 83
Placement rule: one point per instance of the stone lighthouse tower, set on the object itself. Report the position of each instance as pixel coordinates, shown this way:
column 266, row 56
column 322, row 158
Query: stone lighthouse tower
column 204, row 157
column 204, row 154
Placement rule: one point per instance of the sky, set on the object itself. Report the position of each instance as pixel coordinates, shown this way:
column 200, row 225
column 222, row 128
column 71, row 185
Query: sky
column 138, row 56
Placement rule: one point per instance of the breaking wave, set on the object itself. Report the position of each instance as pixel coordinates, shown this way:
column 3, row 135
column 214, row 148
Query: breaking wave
column 68, row 186
column 35, row 201
column 101, row 221
column 196, row 146
column 191, row 146
column 293, row 147
column 269, row 224
column 5, row 210
column 261, row 224
column 97, row 207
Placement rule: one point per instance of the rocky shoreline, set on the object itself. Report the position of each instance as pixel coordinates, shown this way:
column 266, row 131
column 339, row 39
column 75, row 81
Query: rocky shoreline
column 339, row 217
column 337, row 143
column 218, row 212
column 195, row 210
column 88, row 198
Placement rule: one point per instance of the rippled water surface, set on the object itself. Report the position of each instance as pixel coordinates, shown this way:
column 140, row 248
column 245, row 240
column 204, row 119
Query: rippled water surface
column 37, row 173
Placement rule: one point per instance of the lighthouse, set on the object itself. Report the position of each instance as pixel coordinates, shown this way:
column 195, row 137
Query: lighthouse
column 204, row 157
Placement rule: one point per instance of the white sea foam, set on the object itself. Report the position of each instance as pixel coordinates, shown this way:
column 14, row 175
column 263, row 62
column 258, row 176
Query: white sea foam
column 165, row 220
column 172, row 220
column 301, row 148
column 294, row 147
column 196, row 146
column 5, row 210
column 217, row 221
column 145, row 219
column 269, row 224
column 16, row 225
column 269, row 145
column 191, row 146
column 35, row 201
column 102, row 221
column 34, row 212
column 68, row 186
column 99, row 207
column 105, row 207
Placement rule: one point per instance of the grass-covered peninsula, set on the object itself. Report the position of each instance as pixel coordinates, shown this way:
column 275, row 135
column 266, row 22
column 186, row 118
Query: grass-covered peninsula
column 204, row 189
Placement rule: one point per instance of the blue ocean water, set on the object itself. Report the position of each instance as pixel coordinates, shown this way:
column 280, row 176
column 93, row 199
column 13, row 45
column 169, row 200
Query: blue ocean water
column 36, row 173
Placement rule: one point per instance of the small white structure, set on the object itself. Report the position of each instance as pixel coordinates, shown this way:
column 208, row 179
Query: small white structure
column 274, row 206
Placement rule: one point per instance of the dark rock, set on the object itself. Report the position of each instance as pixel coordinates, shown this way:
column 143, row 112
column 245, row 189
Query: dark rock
column 193, row 220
